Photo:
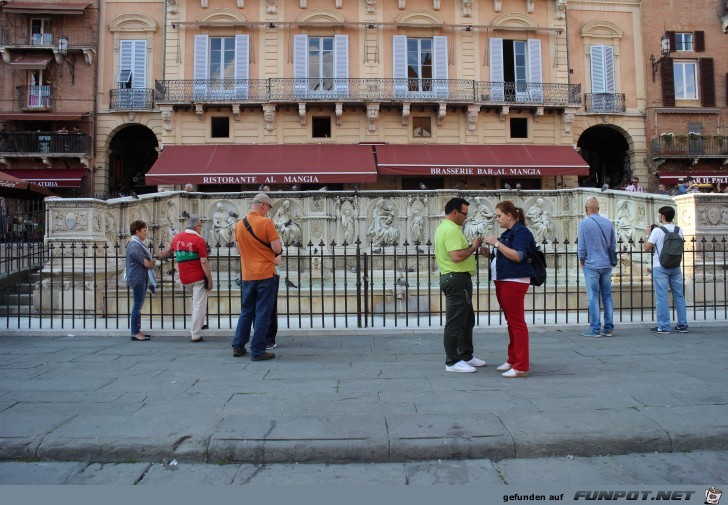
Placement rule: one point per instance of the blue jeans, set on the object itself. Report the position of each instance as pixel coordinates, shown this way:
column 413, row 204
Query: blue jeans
column 258, row 299
column 140, row 293
column 661, row 278
column 599, row 282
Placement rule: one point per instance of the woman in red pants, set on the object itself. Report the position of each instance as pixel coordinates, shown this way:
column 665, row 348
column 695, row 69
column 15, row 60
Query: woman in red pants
column 512, row 274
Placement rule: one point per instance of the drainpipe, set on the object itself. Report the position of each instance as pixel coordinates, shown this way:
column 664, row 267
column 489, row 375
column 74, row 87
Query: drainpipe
column 96, row 95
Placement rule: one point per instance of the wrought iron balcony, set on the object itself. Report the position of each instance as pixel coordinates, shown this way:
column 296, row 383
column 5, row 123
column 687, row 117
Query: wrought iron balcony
column 52, row 144
column 366, row 90
column 689, row 146
column 21, row 37
column 35, row 98
column 131, row 98
column 605, row 103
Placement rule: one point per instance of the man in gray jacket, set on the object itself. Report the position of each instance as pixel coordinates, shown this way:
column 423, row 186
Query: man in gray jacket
column 596, row 238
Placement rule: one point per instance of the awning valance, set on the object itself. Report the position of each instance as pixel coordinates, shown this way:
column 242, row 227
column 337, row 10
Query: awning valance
column 698, row 177
column 264, row 164
column 31, row 61
column 44, row 7
column 51, row 178
column 488, row 160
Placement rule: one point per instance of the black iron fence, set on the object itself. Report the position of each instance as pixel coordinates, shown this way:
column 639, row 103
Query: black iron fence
column 690, row 146
column 365, row 90
column 35, row 97
column 56, row 143
column 342, row 286
column 131, row 98
column 22, row 36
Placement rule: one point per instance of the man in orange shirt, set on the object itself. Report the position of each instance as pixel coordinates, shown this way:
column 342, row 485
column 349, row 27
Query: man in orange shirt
column 258, row 244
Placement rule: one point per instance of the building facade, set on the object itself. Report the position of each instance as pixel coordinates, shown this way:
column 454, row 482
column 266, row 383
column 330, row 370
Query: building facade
column 47, row 79
column 377, row 94
column 687, row 90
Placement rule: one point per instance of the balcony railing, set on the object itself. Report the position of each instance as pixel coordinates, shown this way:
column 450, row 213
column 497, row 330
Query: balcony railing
column 35, row 98
column 131, row 98
column 604, row 103
column 690, row 146
column 21, row 36
column 44, row 143
column 366, row 90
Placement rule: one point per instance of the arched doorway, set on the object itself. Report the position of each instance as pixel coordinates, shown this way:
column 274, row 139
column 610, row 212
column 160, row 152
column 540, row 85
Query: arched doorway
column 131, row 154
column 606, row 151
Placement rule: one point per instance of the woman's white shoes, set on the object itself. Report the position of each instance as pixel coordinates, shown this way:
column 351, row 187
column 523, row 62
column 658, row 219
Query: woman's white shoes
column 513, row 374
column 504, row 367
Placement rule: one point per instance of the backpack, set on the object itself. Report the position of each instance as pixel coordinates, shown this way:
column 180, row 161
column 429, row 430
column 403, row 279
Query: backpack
column 672, row 248
column 537, row 260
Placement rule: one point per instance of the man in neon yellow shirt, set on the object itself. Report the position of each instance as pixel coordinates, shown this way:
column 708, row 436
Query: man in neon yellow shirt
column 457, row 265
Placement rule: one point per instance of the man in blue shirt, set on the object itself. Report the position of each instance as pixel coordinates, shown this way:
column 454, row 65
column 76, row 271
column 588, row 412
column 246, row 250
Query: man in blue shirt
column 596, row 238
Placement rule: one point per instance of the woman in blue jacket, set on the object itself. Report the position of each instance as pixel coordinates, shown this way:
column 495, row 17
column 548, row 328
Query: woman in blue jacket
column 512, row 274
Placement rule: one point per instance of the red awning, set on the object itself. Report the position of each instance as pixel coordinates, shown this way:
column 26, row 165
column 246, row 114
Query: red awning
column 489, row 160
column 31, row 61
column 51, row 178
column 50, row 8
column 699, row 177
column 264, row 164
column 7, row 181
column 42, row 116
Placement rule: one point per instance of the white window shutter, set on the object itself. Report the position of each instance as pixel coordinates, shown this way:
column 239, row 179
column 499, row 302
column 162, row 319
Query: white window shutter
column 497, row 88
column 201, row 69
column 535, row 77
column 126, row 58
column 242, row 59
column 300, row 65
column 597, row 69
column 439, row 66
column 609, row 84
column 341, row 65
column 139, row 68
column 399, row 62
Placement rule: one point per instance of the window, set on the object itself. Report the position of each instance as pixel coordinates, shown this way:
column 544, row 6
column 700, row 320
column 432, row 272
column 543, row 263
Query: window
column 686, row 80
column 684, row 41
column 321, row 127
column 221, row 67
column 41, row 33
column 420, row 66
column 515, row 70
column 602, row 79
column 220, row 127
column 421, row 127
column 519, row 128
column 321, row 66
column 320, row 63
column 39, row 89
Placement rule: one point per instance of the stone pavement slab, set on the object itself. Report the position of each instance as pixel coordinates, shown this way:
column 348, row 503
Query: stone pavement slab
column 368, row 397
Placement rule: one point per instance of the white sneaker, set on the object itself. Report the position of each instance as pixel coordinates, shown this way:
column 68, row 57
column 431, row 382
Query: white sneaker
column 475, row 362
column 504, row 367
column 513, row 374
column 460, row 366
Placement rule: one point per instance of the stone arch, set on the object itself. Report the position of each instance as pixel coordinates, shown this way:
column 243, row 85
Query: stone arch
column 514, row 19
column 609, row 151
column 131, row 150
column 221, row 16
column 133, row 23
column 321, row 16
column 419, row 17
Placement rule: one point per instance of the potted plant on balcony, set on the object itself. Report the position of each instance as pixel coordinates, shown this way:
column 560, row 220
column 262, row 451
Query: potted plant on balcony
column 667, row 138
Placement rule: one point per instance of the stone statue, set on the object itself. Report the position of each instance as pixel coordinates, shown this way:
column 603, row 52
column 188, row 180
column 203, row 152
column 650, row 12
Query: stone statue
column 539, row 221
column 290, row 232
column 347, row 223
column 417, row 225
column 381, row 230
column 625, row 225
column 223, row 228
column 480, row 221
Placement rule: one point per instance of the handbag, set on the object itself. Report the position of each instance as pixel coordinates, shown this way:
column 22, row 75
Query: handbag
column 537, row 260
column 612, row 253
